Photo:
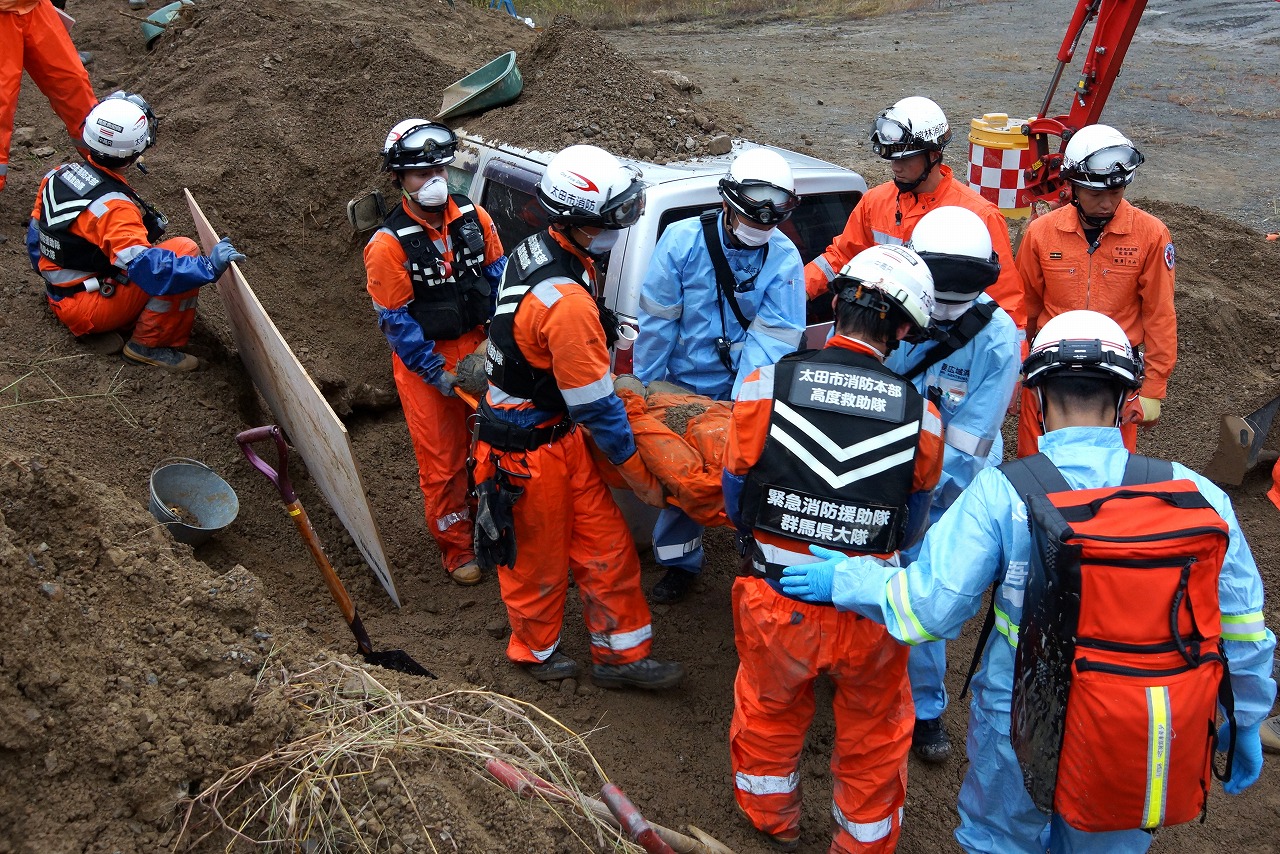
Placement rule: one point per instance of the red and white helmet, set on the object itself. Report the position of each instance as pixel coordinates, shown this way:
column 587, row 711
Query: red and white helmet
column 587, row 186
column 1100, row 157
column 120, row 127
column 910, row 127
column 884, row 276
column 1083, row 343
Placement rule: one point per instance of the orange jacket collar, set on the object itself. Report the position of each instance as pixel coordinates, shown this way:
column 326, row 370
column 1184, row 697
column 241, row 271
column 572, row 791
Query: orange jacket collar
column 451, row 213
column 857, row 345
column 945, row 171
column 1121, row 223
column 587, row 261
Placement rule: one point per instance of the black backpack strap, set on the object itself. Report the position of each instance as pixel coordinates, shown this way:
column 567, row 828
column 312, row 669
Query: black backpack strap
column 1139, row 470
column 1033, row 475
column 724, row 276
column 964, row 330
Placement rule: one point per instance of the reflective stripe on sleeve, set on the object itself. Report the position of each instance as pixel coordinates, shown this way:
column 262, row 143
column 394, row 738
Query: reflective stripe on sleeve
column 967, row 443
column 622, row 641
column 657, row 309
column 1158, row 737
column 825, row 266
column 885, row 238
column 1007, row 627
column 589, row 393
column 760, row 388
column 759, row 784
column 866, row 831
column 1244, row 627
column 788, row 335
column 126, row 255
column 931, row 423
column 99, row 205
column 913, row 632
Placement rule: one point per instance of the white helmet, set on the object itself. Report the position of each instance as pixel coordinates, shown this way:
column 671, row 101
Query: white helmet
column 911, row 126
column 1083, row 343
column 1100, row 157
column 760, row 187
column 418, row 144
column 887, row 276
column 956, row 244
column 587, row 186
column 120, row 127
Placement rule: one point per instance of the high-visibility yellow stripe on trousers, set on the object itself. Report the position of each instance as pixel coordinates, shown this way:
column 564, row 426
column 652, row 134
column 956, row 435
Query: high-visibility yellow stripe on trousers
column 1158, row 738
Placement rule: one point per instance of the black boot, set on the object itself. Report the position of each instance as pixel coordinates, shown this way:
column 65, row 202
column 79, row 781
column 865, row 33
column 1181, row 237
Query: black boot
column 930, row 743
column 557, row 666
column 648, row 673
column 672, row 587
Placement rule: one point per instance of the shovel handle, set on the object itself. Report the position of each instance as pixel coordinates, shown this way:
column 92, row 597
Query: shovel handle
column 279, row 475
column 632, row 822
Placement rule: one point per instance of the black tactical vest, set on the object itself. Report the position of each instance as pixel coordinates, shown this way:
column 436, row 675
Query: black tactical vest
column 535, row 259
column 837, row 467
column 70, row 190
column 449, row 298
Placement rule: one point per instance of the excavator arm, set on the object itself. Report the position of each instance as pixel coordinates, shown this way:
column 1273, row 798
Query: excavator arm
column 1116, row 22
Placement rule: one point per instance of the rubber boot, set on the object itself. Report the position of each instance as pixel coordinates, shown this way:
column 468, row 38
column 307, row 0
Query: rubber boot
column 160, row 357
column 557, row 666
column 651, row 674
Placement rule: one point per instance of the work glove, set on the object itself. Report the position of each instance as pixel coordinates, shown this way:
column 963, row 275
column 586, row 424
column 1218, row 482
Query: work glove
column 1247, row 764
column 494, row 532
column 811, row 582
column 1150, row 410
column 642, row 481
column 222, row 255
column 444, row 382
column 471, row 376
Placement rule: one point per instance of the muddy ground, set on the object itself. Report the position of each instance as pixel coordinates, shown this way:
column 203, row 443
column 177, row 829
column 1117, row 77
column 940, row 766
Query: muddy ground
column 131, row 661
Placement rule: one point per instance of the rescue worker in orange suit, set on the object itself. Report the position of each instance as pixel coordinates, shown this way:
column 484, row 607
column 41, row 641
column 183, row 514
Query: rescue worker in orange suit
column 432, row 270
column 829, row 447
column 97, row 244
column 911, row 135
column 1102, row 254
column 33, row 37
column 548, row 370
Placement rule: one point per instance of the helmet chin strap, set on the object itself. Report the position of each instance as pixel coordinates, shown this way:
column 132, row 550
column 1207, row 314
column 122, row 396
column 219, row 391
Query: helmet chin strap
column 909, row 187
column 1090, row 221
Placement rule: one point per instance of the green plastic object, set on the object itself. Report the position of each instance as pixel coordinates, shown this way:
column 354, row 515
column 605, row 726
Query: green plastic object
column 158, row 20
column 497, row 83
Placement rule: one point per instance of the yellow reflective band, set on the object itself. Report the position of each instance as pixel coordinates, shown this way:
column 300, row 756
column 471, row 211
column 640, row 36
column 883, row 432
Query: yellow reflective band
column 1157, row 756
column 1007, row 627
column 913, row 632
column 1244, row 627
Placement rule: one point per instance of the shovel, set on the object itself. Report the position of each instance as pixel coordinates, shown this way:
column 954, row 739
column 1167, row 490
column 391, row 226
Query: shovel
column 1240, row 441
column 394, row 659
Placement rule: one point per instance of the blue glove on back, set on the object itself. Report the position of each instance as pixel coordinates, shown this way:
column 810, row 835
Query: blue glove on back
column 222, row 255
column 1247, row 764
column 811, row 582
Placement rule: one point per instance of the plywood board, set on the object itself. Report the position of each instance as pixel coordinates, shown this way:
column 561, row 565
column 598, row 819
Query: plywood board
column 299, row 407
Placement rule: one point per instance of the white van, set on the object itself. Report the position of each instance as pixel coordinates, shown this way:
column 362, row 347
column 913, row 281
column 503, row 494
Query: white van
column 503, row 180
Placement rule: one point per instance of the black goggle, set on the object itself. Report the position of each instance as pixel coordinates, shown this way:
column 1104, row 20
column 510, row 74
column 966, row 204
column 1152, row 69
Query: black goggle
column 760, row 201
column 421, row 146
column 1088, row 357
column 892, row 139
column 624, row 209
column 1110, row 167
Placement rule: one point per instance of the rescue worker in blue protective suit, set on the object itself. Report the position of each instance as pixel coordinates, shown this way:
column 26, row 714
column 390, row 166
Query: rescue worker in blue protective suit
column 984, row 539
column 968, row 368
column 714, row 310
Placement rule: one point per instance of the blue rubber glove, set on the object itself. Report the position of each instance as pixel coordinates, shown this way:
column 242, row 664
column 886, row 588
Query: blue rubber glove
column 811, row 582
column 1247, row 764
column 222, row 255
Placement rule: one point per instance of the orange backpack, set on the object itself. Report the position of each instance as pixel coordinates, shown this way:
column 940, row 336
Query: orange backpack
column 1119, row 659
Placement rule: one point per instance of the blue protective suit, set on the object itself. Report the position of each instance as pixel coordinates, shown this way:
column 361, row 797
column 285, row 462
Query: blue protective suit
column 983, row 539
column 974, row 384
column 681, row 318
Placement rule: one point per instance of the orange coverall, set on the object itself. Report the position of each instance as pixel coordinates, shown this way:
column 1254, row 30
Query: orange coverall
column 1129, row 278
column 114, row 224
column 437, row 424
column 885, row 217
column 785, row 644
column 32, row 36
column 567, row 520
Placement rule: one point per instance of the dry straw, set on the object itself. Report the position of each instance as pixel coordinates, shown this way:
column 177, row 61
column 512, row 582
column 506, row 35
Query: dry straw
column 367, row 746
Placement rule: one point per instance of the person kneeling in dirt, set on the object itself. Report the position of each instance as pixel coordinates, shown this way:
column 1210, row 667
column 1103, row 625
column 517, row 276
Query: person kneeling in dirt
column 830, row 448
column 94, row 240
column 548, row 369
column 432, row 269
column 723, row 295
column 1126, row 620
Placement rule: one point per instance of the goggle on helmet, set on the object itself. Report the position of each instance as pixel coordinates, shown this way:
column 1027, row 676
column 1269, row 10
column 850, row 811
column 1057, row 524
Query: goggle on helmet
column 1105, row 168
column 153, row 122
column 759, row 201
column 1083, row 357
column 421, row 147
column 893, row 140
column 621, row 211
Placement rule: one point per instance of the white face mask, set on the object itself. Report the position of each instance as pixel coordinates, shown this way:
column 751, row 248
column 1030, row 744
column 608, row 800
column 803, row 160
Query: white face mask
column 604, row 241
column 433, row 194
column 945, row 312
column 750, row 235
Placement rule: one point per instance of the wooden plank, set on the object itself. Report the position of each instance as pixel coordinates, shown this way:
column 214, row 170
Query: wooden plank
column 299, row 407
